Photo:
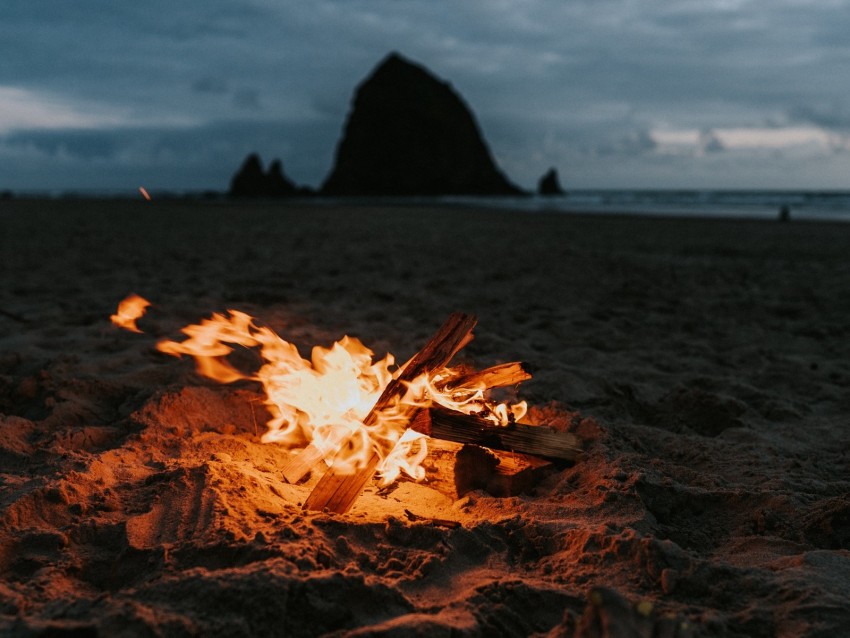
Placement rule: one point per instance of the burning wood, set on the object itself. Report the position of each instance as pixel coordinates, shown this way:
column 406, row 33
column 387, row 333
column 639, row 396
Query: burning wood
column 302, row 462
column 505, row 374
column 451, row 425
column 338, row 489
column 498, row 376
column 343, row 409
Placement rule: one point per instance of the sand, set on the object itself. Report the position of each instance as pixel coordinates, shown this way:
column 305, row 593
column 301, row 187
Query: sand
column 713, row 499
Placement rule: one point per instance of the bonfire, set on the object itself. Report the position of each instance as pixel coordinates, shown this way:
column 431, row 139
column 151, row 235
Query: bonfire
column 355, row 415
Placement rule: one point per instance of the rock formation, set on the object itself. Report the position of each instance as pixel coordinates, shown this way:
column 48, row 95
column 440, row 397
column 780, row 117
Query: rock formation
column 410, row 133
column 549, row 184
column 252, row 181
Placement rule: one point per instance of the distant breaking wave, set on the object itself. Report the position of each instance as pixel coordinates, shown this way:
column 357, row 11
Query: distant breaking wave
column 740, row 204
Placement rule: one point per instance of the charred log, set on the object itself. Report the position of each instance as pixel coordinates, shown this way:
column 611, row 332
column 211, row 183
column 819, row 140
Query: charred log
column 539, row 440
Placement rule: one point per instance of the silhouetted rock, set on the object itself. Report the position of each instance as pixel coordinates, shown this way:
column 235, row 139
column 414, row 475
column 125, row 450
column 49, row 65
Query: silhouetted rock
column 549, row 184
column 277, row 183
column 409, row 133
column 251, row 181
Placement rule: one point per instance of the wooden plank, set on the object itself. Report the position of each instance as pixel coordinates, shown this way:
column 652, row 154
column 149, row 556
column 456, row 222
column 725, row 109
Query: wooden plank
column 441, row 469
column 516, row 473
column 454, row 469
column 337, row 490
column 539, row 440
column 298, row 465
column 498, row 376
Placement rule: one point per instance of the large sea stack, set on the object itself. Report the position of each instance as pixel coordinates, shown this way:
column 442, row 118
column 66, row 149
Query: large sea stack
column 410, row 133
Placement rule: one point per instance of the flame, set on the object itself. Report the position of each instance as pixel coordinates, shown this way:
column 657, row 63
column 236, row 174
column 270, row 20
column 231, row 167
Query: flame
column 325, row 402
column 129, row 310
column 144, row 193
column 472, row 399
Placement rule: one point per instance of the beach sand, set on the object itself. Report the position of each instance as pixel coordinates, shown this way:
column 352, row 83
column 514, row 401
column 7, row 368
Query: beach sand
column 709, row 359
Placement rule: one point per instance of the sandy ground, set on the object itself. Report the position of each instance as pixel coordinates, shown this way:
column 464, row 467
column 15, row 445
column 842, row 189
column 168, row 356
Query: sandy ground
column 713, row 499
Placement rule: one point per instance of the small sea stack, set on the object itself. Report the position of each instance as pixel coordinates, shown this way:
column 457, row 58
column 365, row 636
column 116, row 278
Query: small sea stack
column 549, row 184
column 252, row 181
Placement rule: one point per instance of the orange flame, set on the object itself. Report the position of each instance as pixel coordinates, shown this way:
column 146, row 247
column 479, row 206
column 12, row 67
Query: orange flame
column 323, row 401
column 129, row 311
column 472, row 399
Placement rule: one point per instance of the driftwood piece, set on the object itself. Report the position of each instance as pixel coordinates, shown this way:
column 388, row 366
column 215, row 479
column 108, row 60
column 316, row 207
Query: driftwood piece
column 441, row 423
column 454, row 469
column 498, row 376
column 337, row 490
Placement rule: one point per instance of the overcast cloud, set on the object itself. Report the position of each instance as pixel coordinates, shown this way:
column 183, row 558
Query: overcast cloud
column 613, row 93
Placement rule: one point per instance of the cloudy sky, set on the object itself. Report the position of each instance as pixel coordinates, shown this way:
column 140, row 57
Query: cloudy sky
column 613, row 93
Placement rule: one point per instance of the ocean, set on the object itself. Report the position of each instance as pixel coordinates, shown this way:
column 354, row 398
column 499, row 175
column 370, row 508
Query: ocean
column 740, row 204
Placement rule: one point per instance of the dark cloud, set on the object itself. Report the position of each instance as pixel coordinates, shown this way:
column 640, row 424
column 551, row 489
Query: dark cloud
column 84, row 145
column 634, row 144
column 832, row 116
column 198, row 158
column 551, row 83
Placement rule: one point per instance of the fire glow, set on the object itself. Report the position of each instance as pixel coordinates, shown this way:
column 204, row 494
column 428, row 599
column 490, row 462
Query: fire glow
column 323, row 406
column 129, row 311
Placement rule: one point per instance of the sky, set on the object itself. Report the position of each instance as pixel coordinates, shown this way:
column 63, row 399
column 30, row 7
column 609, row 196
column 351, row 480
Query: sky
column 672, row 94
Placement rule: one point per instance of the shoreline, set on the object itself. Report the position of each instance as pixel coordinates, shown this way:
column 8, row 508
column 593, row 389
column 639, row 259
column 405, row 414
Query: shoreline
column 803, row 206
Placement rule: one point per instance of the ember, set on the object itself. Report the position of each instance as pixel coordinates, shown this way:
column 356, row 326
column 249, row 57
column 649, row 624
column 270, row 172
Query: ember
column 129, row 311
